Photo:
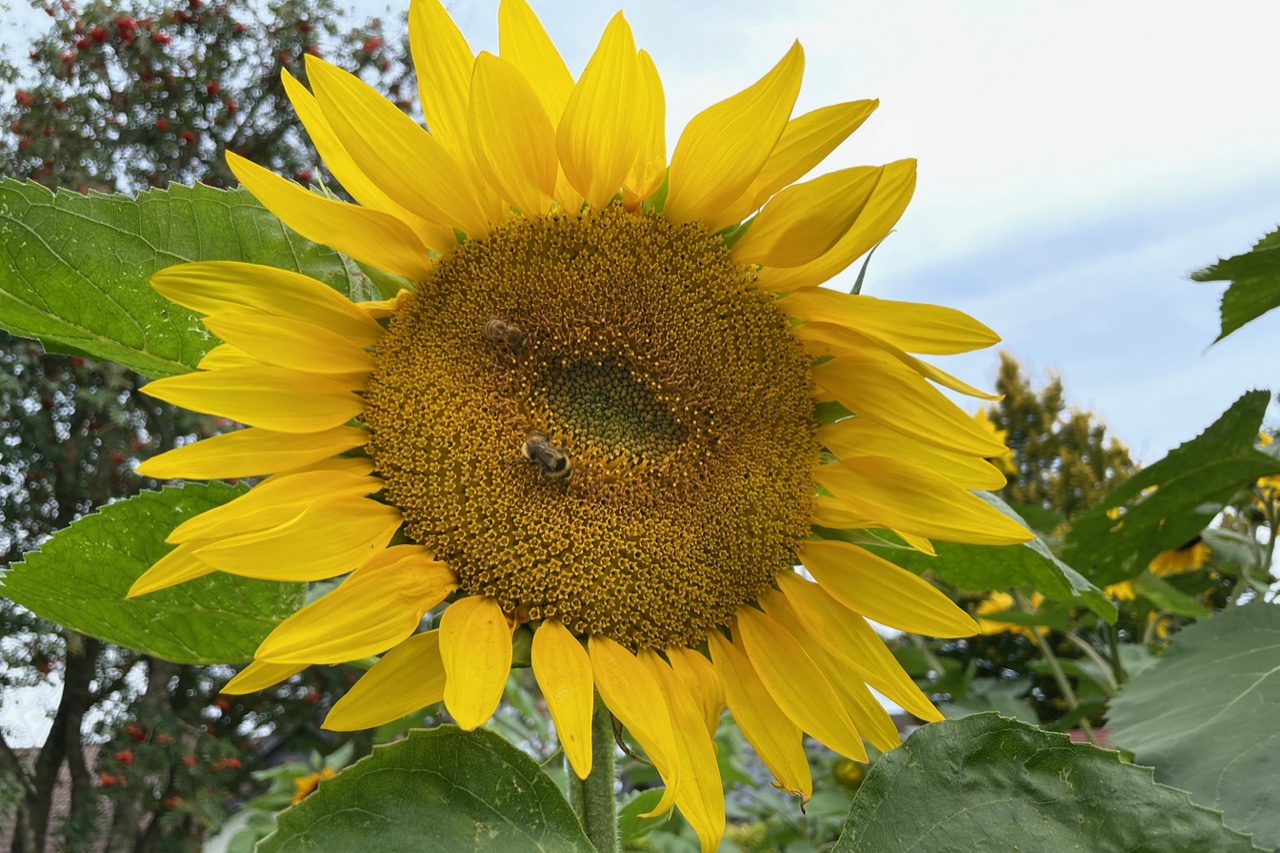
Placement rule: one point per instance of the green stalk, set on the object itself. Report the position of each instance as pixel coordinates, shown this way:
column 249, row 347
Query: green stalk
column 1059, row 677
column 593, row 798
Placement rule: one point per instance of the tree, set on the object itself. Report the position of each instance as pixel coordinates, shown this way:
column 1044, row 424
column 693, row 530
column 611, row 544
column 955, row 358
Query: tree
column 127, row 97
column 1062, row 460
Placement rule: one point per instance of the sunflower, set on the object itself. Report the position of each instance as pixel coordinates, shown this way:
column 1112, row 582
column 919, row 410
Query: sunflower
column 1192, row 555
column 609, row 410
column 1002, row 602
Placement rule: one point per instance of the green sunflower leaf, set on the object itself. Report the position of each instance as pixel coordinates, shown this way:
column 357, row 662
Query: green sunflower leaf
column 438, row 789
column 986, row 782
column 74, row 269
column 1255, row 283
column 1191, row 485
column 1205, row 716
column 980, row 567
column 78, row 578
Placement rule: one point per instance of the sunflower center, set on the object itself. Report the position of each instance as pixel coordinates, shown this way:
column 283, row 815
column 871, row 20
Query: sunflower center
column 607, row 408
column 598, row 418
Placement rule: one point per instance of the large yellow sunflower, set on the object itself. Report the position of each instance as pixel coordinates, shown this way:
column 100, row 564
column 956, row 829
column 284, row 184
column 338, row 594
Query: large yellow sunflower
column 592, row 417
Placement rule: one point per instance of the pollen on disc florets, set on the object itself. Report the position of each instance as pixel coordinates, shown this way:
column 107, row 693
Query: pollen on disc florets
column 674, row 386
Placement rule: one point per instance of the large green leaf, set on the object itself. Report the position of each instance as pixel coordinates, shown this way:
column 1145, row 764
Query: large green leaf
column 986, row 782
column 437, row 790
column 1206, row 716
column 979, row 567
column 1192, row 484
column 1255, row 283
column 74, row 269
column 79, row 578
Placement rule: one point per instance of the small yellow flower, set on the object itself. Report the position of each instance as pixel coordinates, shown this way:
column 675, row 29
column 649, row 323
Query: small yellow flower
column 592, row 415
column 999, row 602
column 304, row 785
column 1123, row 591
column 1189, row 556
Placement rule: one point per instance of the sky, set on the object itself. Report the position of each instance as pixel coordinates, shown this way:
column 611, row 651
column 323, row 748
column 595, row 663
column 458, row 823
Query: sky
column 1076, row 162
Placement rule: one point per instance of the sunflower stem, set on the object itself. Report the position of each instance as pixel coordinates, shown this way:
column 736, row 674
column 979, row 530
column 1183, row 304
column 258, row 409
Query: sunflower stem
column 593, row 798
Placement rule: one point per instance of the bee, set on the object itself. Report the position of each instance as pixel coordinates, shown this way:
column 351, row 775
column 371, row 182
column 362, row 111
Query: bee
column 554, row 461
column 509, row 335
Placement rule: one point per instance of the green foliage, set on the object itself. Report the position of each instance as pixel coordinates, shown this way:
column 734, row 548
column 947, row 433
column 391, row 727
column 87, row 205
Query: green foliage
column 1193, row 483
column 1204, row 716
column 79, row 578
column 989, row 783
column 1062, row 460
column 58, row 285
column 441, row 789
column 138, row 93
column 1255, row 283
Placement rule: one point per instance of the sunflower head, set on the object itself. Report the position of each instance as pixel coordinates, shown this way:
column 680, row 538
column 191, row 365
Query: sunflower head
column 593, row 413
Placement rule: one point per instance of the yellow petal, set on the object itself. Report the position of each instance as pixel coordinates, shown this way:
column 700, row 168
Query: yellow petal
column 290, row 343
column 230, row 287
column 650, row 168
column 805, row 142
column 178, row 566
column 525, row 44
column 512, row 139
column 829, row 512
column 344, row 169
column 273, row 398
column 909, row 326
column 635, row 698
column 884, row 592
column 903, row 496
column 475, row 645
column 360, row 466
column 701, row 794
column 724, row 147
column 796, row 683
column 406, row 679
column 443, row 62
column 805, row 220
column 224, row 356
column 563, row 669
column 874, row 384
column 273, row 502
column 877, row 219
column 376, row 238
column 865, row 437
column 853, row 641
column 250, row 453
column 700, row 679
column 600, row 131
column 405, row 161
column 323, row 541
column 919, row 543
column 830, row 339
column 770, row 732
column 379, row 605
column 259, row 675
column 872, row 720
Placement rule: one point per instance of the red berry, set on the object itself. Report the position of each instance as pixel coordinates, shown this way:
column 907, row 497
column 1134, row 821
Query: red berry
column 371, row 44
column 232, row 106
column 187, row 137
column 189, row 760
column 106, row 780
column 305, row 26
column 213, row 88
column 313, row 49
column 160, row 38
column 24, row 98
column 302, row 176
column 15, row 126
column 222, row 704
column 83, row 43
column 172, row 801
column 125, row 757
column 238, row 28
column 98, row 34
column 162, row 125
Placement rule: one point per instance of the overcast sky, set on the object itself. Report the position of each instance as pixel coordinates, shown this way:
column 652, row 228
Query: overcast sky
column 1077, row 160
